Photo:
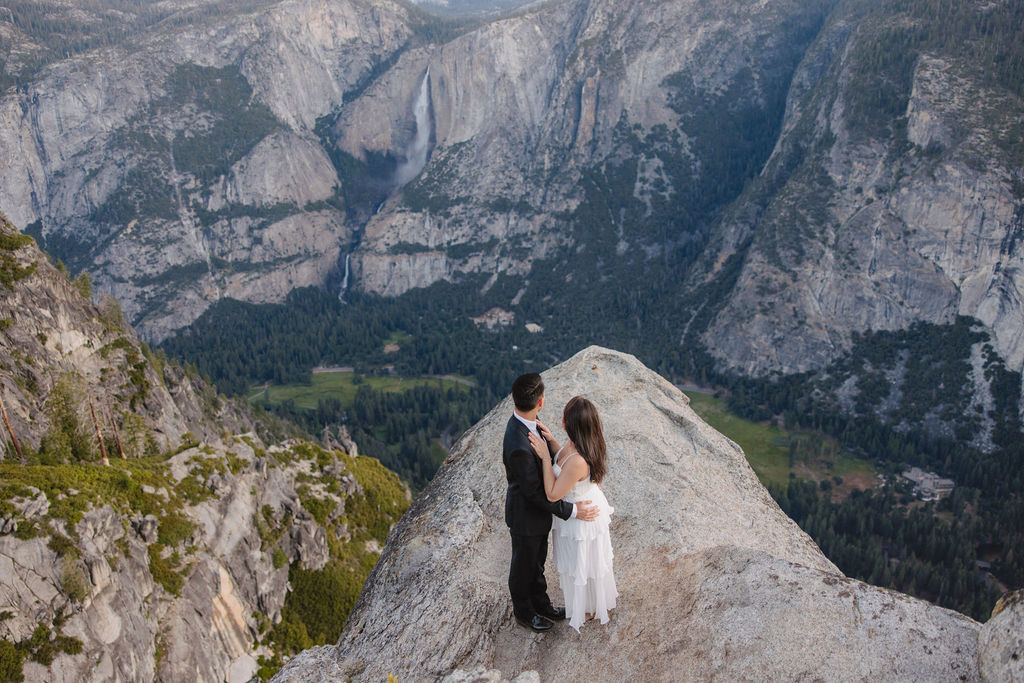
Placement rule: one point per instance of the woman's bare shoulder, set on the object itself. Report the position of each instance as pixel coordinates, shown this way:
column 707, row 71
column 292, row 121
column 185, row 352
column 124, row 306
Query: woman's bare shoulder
column 576, row 466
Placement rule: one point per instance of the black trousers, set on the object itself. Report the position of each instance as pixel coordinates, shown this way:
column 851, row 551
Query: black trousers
column 526, row 580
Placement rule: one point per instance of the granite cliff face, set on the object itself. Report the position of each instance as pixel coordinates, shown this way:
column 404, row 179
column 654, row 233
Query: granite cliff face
column 194, row 165
column 839, row 167
column 173, row 560
column 183, row 167
column 56, row 342
column 524, row 108
column 862, row 222
column 182, row 572
column 714, row 580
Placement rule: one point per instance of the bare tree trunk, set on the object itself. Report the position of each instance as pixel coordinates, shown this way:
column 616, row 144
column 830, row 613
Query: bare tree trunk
column 7, row 421
column 117, row 435
column 99, row 434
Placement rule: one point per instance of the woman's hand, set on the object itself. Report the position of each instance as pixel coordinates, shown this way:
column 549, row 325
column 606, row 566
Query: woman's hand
column 545, row 433
column 548, row 436
column 540, row 447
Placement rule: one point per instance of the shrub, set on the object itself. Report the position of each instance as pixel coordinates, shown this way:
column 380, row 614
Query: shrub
column 63, row 546
column 278, row 557
column 322, row 599
column 163, row 571
column 11, row 659
column 10, row 271
column 73, row 581
column 174, row 528
column 83, row 285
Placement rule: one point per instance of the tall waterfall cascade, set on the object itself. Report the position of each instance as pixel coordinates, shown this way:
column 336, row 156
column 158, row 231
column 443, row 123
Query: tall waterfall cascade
column 419, row 147
column 344, row 279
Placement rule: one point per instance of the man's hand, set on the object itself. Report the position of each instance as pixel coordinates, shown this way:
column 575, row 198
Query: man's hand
column 586, row 511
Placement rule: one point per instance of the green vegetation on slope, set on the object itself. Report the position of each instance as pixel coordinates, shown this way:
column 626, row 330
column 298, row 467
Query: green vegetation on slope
column 779, row 455
column 11, row 241
column 239, row 122
column 357, row 518
column 57, row 30
column 893, row 35
column 320, row 600
column 406, row 423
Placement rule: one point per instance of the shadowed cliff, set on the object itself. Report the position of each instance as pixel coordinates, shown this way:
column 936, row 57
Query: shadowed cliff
column 714, row 580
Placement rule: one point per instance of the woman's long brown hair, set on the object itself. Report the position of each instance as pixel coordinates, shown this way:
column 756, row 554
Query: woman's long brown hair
column 583, row 425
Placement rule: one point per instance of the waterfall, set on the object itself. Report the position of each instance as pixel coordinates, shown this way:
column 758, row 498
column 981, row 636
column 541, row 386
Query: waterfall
column 344, row 278
column 416, row 152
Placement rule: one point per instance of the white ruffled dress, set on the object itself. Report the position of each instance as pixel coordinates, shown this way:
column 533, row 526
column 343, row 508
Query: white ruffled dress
column 583, row 555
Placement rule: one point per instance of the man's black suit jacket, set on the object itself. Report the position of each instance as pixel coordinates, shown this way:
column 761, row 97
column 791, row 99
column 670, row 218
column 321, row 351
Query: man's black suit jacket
column 527, row 508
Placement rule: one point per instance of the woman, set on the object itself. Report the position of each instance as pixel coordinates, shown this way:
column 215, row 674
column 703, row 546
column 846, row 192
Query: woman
column 582, row 550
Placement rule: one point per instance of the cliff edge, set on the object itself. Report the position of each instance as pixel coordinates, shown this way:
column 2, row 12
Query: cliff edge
column 714, row 580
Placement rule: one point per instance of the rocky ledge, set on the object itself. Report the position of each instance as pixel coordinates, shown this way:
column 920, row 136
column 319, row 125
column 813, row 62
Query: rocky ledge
column 192, row 567
column 715, row 581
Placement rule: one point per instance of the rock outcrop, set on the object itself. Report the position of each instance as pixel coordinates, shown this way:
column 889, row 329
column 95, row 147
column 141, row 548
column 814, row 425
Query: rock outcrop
column 861, row 224
column 715, row 581
column 57, row 344
column 174, row 562
column 1002, row 641
column 186, row 591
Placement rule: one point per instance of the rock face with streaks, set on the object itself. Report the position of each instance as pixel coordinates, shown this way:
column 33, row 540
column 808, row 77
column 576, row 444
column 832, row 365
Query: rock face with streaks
column 524, row 108
column 183, row 167
column 59, row 345
column 174, row 561
column 249, row 153
column 147, row 601
column 714, row 580
column 865, row 229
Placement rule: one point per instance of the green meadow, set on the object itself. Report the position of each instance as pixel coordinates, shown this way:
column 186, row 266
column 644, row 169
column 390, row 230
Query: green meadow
column 777, row 454
column 341, row 385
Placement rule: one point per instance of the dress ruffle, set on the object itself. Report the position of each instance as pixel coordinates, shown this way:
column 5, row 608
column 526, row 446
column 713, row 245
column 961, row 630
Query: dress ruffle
column 583, row 555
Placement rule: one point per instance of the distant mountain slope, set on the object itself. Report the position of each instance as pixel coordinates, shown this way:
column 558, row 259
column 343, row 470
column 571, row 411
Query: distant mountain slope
column 182, row 166
column 242, row 154
column 895, row 192
column 761, row 181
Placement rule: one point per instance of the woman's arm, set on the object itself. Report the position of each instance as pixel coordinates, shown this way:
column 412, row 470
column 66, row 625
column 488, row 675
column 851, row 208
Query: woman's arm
column 540, row 447
column 556, row 488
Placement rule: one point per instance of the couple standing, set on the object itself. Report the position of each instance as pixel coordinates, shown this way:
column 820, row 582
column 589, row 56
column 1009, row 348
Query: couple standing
column 545, row 480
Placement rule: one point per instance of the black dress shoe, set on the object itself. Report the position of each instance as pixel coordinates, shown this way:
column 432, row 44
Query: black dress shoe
column 536, row 623
column 552, row 613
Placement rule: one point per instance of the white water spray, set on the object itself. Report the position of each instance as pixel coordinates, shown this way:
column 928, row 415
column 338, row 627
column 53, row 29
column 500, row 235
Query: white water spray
column 416, row 153
column 344, row 280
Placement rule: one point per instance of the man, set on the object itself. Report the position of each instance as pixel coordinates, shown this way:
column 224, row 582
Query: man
column 528, row 510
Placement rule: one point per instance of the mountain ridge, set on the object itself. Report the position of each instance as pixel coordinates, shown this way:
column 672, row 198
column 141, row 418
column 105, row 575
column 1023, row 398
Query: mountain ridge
column 626, row 132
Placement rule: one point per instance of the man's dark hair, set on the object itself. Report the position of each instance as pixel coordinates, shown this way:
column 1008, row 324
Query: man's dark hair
column 527, row 390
